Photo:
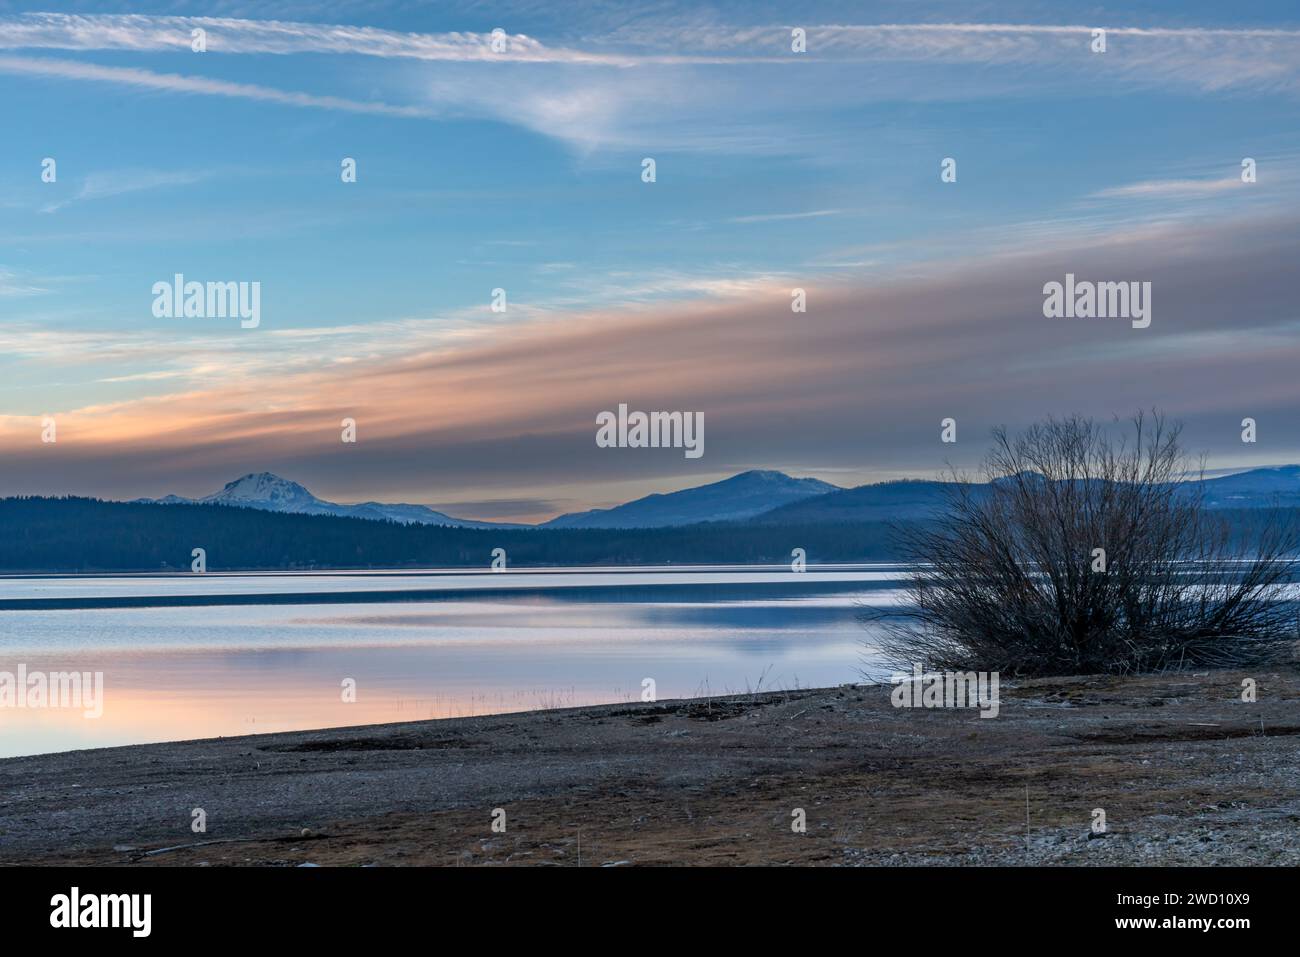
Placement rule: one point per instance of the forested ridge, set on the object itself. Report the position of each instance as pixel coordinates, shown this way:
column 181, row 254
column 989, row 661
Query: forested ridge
column 86, row 535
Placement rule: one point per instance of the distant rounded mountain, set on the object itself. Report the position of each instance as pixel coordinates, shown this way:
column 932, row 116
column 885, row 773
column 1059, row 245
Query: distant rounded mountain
column 739, row 497
column 883, row 502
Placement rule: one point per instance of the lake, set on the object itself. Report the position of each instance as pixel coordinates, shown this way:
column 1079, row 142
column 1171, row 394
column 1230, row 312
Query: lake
column 196, row 656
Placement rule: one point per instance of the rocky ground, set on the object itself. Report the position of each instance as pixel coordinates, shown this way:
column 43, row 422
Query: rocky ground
column 1185, row 771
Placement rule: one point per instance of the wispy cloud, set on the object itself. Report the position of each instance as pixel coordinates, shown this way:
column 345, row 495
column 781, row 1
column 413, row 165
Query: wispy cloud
column 1210, row 57
column 688, row 41
column 157, row 376
column 1206, row 58
column 1277, row 173
column 12, row 284
column 119, row 182
column 1170, row 188
column 662, row 84
column 778, row 217
column 226, row 35
column 179, row 83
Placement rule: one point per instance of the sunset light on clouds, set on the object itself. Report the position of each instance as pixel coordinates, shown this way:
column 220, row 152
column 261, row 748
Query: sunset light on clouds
column 924, row 297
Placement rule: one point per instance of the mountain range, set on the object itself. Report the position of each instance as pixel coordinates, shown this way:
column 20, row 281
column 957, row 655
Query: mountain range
column 909, row 499
column 763, row 496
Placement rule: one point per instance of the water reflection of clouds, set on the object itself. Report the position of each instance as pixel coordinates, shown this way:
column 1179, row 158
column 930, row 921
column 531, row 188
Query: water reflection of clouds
column 176, row 672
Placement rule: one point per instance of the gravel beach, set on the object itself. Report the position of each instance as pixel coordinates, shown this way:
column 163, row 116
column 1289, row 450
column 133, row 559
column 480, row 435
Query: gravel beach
column 1185, row 772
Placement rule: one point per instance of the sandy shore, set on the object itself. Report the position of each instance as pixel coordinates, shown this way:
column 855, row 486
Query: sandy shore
column 1185, row 771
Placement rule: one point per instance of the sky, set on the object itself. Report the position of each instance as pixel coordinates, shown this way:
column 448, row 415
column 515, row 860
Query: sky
column 520, row 167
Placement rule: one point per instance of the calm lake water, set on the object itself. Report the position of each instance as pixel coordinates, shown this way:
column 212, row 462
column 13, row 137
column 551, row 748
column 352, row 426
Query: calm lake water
column 216, row 655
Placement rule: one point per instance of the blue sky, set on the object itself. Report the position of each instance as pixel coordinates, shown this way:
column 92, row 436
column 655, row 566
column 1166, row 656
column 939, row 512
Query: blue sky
column 521, row 170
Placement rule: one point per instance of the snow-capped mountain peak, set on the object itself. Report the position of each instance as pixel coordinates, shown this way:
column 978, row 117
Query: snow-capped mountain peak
column 265, row 489
column 271, row 493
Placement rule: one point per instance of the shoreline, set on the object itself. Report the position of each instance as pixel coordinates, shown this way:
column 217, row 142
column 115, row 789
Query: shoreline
column 1185, row 771
column 410, row 595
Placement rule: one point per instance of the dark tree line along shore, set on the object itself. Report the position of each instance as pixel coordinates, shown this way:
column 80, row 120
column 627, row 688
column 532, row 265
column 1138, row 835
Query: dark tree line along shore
column 89, row 535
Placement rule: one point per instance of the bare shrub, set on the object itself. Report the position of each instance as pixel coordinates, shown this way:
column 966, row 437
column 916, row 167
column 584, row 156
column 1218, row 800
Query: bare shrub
column 1008, row 579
